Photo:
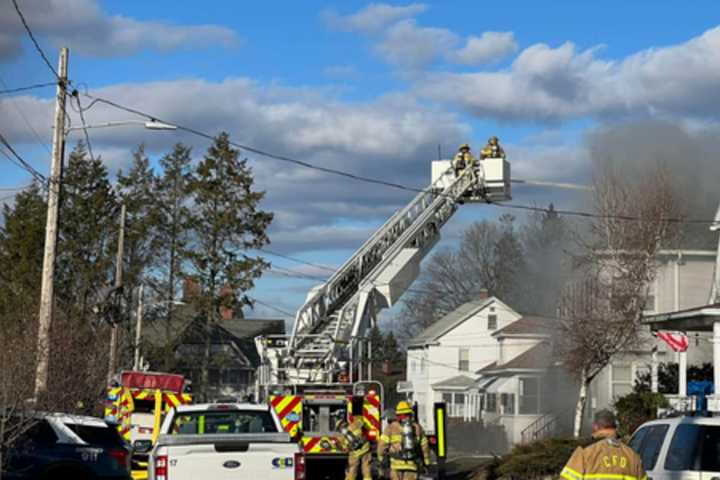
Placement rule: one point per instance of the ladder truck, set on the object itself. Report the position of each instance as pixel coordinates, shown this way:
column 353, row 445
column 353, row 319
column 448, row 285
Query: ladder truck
column 322, row 371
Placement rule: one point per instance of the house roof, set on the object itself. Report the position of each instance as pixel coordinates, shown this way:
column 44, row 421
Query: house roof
column 692, row 319
column 448, row 322
column 538, row 357
column 251, row 328
column 460, row 381
column 528, row 325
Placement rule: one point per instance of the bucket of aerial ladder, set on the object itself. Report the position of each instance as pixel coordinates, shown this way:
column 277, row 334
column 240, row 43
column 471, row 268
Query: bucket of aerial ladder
column 492, row 174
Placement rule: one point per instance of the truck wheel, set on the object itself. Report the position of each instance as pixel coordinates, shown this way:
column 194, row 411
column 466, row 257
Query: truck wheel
column 66, row 472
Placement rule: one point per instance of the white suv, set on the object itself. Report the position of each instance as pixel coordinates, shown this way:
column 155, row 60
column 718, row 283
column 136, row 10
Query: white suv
column 680, row 448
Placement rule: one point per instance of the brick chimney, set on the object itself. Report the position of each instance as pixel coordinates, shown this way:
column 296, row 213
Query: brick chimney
column 483, row 295
column 191, row 289
column 227, row 295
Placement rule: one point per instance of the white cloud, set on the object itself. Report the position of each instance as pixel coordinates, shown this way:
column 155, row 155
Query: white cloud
column 489, row 47
column 86, row 29
column 411, row 47
column 546, row 83
column 372, row 18
column 391, row 138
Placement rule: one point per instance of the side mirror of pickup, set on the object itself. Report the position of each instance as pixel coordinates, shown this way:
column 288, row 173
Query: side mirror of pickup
column 142, row 446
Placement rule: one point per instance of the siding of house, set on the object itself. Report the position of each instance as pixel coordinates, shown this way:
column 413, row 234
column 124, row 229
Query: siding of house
column 443, row 356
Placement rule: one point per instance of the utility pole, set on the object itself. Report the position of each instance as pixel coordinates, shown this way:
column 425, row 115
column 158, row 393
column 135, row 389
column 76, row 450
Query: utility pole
column 47, row 283
column 138, row 327
column 118, row 284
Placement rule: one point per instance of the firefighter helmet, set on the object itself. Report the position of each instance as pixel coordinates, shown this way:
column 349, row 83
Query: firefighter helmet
column 403, row 408
column 464, row 146
column 493, row 140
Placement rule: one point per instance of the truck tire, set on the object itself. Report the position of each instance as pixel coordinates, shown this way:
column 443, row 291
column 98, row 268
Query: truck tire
column 66, row 472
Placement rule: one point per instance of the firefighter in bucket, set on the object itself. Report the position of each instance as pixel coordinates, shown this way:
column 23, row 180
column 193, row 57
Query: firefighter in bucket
column 405, row 443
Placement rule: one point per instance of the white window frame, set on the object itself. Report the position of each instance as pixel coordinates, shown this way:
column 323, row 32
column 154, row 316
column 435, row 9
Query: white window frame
column 460, row 359
column 612, row 382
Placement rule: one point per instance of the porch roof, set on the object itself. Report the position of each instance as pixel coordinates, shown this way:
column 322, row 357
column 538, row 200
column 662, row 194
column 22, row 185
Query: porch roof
column 698, row 319
column 460, row 382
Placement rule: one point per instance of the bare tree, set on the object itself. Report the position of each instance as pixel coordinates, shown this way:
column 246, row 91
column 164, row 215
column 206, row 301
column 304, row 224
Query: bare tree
column 601, row 314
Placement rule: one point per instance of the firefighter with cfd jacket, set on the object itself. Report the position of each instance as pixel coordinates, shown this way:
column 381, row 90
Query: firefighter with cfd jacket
column 492, row 149
column 353, row 440
column 405, row 443
column 608, row 457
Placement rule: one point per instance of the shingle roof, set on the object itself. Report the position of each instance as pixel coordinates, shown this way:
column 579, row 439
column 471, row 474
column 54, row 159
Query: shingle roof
column 461, row 381
column 529, row 325
column 448, row 322
column 538, row 357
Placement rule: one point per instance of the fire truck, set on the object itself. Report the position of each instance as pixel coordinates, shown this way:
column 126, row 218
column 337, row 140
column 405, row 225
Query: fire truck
column 322, row 372
column 137, row 403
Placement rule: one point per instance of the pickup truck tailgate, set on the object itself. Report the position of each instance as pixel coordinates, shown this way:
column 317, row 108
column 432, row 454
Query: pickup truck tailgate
column 266, row 456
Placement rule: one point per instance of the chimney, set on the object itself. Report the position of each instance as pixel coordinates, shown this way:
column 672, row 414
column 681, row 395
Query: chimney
column 227, row 296
column 191, row 289
column 483, row 295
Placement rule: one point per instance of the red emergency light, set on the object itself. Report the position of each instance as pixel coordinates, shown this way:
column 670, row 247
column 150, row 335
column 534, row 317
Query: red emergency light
column 164, row 381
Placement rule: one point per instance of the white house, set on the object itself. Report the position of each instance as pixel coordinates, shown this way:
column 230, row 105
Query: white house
column 493, row 365
column 442, row 359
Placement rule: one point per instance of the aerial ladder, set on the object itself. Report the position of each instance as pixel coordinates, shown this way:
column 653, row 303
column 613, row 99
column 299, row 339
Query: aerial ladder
column 328, row 336
column 322, row 372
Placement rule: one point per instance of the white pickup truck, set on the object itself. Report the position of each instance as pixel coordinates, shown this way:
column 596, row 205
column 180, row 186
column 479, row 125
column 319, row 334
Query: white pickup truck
column 224, row 441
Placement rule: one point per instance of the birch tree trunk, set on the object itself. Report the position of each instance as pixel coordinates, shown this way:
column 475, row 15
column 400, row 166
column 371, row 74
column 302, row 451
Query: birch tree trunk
column 580, row 407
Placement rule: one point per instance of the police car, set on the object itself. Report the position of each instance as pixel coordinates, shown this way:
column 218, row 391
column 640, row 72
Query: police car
column 679, row 448
column 56, row 445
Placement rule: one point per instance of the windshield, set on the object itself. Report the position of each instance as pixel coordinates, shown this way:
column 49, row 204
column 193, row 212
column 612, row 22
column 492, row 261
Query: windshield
column 223, row 422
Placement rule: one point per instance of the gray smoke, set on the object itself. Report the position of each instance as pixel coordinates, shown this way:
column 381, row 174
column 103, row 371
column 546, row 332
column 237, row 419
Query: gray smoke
column 692, row 156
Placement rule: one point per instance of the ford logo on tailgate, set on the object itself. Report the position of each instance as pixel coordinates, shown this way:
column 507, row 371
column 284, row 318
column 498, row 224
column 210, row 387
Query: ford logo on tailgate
column 231, row 464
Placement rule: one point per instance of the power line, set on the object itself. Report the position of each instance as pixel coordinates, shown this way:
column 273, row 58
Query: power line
column 298, row 260
column 27, row 122
column 19, row 161
column 15, row 189
column 272, row 307
column 34, row 41
column 369, row 179
column 84, row 125
column 29, row 87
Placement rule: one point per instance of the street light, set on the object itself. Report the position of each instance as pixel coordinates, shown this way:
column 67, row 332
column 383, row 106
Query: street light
column 150, row 125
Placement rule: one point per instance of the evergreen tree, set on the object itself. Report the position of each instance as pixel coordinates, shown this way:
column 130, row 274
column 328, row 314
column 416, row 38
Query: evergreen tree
column 22, row 240
column 226, row 221
column 172, row 200
column 87, row 234
column 136, row 193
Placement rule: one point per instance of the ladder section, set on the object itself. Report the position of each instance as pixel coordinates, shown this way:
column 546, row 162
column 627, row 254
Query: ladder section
column 324, row 302
column 406, row 241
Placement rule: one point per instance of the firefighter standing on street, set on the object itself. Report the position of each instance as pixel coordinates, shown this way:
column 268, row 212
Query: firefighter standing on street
column 463, row 159
column 492, row 149
column 606, row 458
column 354, row 441
column 405, row 443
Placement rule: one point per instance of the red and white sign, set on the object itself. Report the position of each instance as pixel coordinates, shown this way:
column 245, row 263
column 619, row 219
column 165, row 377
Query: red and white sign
column 676, row 340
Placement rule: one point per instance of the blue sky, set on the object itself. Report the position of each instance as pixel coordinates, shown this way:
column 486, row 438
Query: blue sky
column 370, row 88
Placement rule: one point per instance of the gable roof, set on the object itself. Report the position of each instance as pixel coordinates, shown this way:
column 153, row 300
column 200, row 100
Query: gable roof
column 460, row 381
column 432, row 333
column 529, row 325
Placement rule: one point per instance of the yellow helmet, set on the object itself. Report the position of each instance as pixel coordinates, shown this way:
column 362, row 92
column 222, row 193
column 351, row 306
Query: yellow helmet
column 493, row 140
column 464, row 145
column 403, row 408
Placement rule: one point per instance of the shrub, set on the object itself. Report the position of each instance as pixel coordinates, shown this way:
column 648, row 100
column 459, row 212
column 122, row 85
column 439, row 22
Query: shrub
column 636, row 408
column 535, row 460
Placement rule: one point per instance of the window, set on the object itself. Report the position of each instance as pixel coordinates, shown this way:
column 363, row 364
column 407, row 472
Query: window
column 650, row 299
column 694, row 447
column 464, row 359
column 647, row 442
column 621, row 380
column 447, row 398
column 97, row 435
column 492, row 321
column 529, row 396
column 491, row 402
column 232, row 421
column 508, row 403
